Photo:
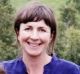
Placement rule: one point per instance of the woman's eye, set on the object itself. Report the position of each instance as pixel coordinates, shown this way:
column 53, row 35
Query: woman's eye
column 42, row 30
column 27, row 29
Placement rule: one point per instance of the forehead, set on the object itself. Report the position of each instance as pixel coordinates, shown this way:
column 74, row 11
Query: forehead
column 36, row 24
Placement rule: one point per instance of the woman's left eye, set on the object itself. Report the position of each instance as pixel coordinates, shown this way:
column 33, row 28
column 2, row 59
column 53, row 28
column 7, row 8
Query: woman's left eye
column 42, row 30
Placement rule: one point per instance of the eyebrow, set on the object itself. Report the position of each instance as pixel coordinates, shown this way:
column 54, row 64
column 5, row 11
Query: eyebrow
column 42, row 27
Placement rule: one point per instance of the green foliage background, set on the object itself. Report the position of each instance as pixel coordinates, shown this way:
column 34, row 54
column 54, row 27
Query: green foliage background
column 7, row 43
column 67, row 14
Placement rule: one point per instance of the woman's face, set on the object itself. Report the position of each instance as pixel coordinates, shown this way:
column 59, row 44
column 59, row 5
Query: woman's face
column 34, row 37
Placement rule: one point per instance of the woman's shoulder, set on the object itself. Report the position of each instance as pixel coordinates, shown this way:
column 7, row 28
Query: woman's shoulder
column 65, row 65
column 60, row 61
column 11, row 64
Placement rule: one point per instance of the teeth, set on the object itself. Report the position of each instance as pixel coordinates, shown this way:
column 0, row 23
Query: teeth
column 34, row 45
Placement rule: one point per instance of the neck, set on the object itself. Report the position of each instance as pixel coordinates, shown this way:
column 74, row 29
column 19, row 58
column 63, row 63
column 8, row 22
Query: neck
column 38, row 62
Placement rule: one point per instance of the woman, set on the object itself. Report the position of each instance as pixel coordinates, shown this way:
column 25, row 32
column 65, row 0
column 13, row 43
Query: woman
column 36, row 31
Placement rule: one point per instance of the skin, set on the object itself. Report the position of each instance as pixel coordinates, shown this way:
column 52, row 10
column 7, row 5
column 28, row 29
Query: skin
column 34, row 38
column 2, row 70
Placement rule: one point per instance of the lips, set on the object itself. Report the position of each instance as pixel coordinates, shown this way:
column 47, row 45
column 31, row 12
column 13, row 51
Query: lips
column 34, row 44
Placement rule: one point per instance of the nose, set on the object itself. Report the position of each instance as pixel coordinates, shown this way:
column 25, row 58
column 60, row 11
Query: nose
column 34, row 35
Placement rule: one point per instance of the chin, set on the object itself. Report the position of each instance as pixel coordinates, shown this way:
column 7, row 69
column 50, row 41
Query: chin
column 34, row 54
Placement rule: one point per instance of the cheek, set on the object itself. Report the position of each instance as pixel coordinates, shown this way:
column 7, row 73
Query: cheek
column 21, row 37
column 46, row 38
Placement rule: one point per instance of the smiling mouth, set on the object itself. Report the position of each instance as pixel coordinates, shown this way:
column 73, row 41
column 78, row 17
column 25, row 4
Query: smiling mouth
column 34, row 44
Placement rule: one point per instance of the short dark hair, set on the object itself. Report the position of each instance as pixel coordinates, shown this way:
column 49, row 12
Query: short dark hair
column 36, row 12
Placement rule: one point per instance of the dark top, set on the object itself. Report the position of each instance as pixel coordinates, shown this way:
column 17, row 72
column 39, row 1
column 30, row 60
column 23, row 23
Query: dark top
column 56, row 66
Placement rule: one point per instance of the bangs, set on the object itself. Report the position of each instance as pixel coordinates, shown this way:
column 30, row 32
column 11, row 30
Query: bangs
column 34, row 14
column 38, row 14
